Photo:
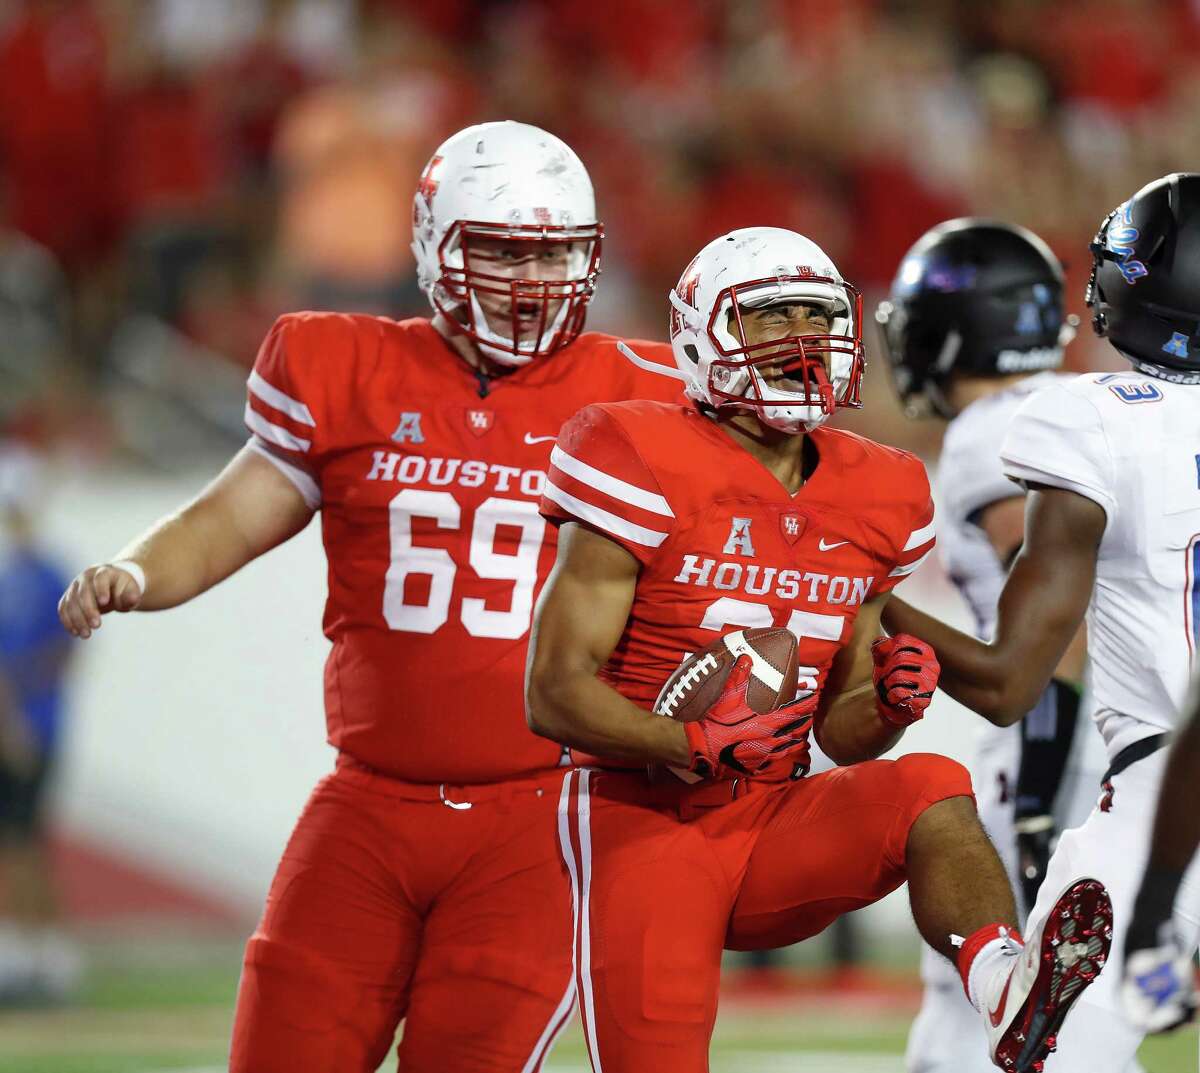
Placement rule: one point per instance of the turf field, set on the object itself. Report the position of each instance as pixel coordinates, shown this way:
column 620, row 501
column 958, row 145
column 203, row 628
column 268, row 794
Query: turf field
column 165, row 1007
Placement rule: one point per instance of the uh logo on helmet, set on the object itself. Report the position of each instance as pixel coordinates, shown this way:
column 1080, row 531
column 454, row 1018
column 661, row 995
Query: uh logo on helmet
column 506, row 239
column 792, row 383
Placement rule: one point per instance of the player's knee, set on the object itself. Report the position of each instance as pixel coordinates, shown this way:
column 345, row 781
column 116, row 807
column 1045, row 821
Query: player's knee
column 923, row 780
column 920, row 781
column 930, row 777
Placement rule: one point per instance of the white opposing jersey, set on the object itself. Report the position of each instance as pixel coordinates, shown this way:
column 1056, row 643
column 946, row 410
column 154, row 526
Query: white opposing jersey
column 1130, row 443
column 970, row 477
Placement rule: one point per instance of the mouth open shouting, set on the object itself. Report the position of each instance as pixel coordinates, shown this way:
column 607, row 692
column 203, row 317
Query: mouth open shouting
column 790, row 366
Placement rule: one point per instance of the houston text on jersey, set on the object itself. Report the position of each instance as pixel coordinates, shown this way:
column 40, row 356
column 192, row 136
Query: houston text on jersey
column 787, row 584
column 467, row 472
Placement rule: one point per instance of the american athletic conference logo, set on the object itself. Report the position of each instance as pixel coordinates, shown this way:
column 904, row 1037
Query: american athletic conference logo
column 409, row 429
column 1176, row 346
column 739, row 542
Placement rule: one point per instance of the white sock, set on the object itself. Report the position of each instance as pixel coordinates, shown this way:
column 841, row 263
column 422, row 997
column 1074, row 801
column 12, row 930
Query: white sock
column 993, row 957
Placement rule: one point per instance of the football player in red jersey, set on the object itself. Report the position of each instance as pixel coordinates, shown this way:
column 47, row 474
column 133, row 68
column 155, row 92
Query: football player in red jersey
column 423, row 881
column 680, row 522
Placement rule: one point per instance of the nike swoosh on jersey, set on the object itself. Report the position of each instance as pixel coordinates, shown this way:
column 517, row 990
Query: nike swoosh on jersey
column 829, row 547
column 531, row 440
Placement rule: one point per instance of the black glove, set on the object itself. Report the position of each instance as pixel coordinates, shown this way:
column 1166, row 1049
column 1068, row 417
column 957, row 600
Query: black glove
column 1046, row 735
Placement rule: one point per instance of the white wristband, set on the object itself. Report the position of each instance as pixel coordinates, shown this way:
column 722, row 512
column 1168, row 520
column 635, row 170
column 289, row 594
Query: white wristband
column 134, row 571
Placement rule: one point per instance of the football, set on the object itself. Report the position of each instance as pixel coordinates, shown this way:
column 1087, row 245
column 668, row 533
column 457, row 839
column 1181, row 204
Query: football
column 697, row 682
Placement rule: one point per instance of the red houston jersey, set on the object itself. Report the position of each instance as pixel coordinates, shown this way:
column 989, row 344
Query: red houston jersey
column 723, row 545
column 428, row 482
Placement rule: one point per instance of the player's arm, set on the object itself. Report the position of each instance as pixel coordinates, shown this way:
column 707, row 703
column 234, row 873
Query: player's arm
column 1045, row 742
column 580, row 617
column 1048, row 730
column 1040, row 611
column 248, row 509
column 1003, row 523
column 847, row 725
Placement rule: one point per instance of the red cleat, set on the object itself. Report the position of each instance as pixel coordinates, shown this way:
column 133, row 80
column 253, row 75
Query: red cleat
column 1024, row 1007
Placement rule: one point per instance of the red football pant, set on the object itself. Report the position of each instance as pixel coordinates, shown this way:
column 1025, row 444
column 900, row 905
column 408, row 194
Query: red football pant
column 666, row 876
column 390, row 905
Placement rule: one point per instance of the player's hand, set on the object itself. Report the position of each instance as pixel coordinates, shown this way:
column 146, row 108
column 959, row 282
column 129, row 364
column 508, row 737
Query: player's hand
column 95, row 592
column 1035, row 837
column 1159, row 986
column 905, row 675
column 735, row 738
column 792, row 755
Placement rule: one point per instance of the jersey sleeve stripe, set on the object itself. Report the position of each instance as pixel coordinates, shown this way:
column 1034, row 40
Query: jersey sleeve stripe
column 610, row 485
column 918, row 537
column 908, row 568
column 272, row 433
column 304, row 483
column 275, row 398
column 602, row 519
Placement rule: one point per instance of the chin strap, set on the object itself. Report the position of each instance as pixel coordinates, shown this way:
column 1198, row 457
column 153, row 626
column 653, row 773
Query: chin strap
column 651, row 366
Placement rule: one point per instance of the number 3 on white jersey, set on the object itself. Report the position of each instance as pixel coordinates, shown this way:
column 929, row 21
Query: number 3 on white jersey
column 439, row 566
column 730, row 612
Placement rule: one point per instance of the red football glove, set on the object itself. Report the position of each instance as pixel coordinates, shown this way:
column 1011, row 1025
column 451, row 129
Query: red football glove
column 734, row 738
column 905, row 674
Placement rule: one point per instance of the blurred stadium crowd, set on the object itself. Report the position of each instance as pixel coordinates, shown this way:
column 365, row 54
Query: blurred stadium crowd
column 177, row 173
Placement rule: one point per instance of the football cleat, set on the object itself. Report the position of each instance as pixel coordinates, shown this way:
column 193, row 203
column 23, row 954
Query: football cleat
column 1024, row 1006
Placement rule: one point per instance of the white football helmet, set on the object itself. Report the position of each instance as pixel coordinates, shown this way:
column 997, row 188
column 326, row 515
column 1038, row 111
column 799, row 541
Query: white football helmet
column 750, row 269
column 518, row 183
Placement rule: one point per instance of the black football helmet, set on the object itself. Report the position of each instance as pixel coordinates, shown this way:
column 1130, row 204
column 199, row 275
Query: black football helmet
column 1145, row 287
column 974, row 297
